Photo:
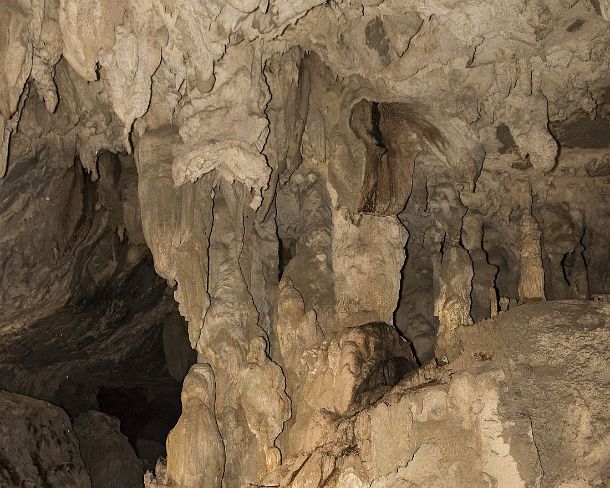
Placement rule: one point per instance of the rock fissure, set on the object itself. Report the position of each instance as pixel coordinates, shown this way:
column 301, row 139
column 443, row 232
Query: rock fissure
column 304, row 244
column 536, row 447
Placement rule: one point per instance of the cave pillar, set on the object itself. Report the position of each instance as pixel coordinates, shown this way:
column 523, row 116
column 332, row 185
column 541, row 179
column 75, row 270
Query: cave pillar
column 483, row 291
column 251, row 405
column 176, row 222
column 262, row 390
column 453, row 301
column 368, row 255
column 436, row 258
column 531, row 279
column 195, row 450
column 493, row 302
column 345, row 273
column 310, row 271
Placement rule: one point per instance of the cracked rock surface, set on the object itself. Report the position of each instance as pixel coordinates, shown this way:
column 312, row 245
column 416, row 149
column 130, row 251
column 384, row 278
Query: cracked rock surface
column 367, row 240
column 493, row 417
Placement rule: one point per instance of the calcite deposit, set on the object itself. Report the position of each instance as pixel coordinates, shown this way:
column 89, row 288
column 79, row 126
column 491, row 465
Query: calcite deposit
column 319, row 243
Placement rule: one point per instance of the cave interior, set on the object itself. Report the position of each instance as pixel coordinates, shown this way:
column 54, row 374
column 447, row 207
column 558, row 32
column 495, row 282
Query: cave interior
column 326, row 244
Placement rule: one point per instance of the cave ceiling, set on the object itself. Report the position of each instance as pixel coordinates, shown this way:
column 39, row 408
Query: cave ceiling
column 294, row 190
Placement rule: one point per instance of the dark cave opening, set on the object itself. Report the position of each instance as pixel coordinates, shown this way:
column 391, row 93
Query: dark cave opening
column 147, row 414
column 105, row 338
column 286, row 251
column 390, row 133
column 375, row 127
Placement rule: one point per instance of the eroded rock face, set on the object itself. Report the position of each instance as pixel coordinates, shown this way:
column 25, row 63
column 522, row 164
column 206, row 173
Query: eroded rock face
column 262, row 390
column 318, row 182
column 110, row 460
column 85, row 298
column 359, row 364
column 482, row 421
column 38, row 446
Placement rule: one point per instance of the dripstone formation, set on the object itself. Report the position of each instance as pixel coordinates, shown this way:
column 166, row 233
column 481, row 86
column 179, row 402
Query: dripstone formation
column 281, row 243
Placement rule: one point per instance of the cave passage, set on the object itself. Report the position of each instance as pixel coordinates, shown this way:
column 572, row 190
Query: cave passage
column 147, row 414
column 105, row 337
column 292, row 244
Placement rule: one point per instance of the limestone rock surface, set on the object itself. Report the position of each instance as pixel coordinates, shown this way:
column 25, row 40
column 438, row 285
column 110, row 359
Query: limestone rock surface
column 38, row 446
column 196, row 451
column 492, row 418
column 110, row 460
column 332, row 195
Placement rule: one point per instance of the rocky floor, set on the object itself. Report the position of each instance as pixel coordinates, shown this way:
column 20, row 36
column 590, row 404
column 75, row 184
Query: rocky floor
column 533, row 378
column 304, row 243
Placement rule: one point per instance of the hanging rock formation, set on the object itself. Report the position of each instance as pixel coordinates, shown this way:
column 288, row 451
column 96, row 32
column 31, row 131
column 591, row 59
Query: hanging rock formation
column 329, row 220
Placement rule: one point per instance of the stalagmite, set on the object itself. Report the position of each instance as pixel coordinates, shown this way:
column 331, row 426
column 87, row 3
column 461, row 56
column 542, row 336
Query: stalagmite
column 493, row 301
column 531, row 277
column 484, row 273
column 304, row 244
column 196, row 453
column 455, row 285
column 262, row 389
column 5, row 137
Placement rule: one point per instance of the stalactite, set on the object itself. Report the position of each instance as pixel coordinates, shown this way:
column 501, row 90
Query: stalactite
column 363, row 235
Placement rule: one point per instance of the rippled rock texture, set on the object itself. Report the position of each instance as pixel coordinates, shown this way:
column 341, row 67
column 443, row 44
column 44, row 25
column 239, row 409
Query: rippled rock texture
column 293, row 207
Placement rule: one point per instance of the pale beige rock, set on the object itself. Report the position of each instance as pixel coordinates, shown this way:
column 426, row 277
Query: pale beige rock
column 297, row 330
column 482, row 422
column 531, row 278
column 453, row 301
column 367, row 285
column 262, row 389
column 195, row 449
column 306, row 169
column 5, row 131
column 131, row 62
column 43, row 74
column 159, row 478
column 356, row 367
column 228, row 138
column 493, row 300
column 231, row 323
column 528, row 122
column 173, row 232
column 20, row 23
column 604, row 7
column 311, row 268
column 87, row 27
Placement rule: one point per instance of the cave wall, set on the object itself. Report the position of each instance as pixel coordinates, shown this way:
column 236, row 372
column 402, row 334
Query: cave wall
column 315, row 181
column 81, row 299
